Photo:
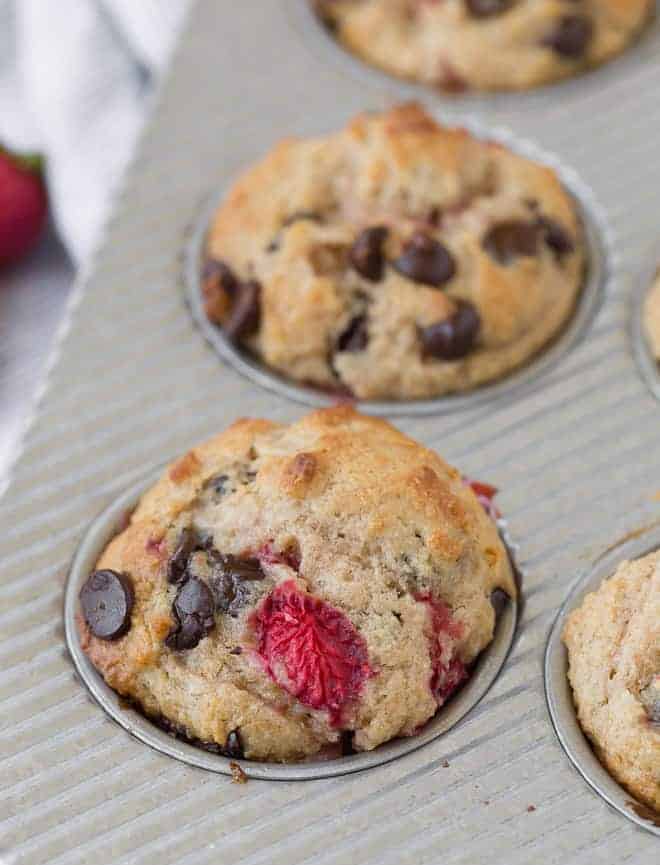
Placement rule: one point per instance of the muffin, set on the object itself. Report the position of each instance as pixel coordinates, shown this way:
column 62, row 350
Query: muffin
column 395, row 259
column 288, row 591
column 613, row 643
column 485, row 44
column 652, row 318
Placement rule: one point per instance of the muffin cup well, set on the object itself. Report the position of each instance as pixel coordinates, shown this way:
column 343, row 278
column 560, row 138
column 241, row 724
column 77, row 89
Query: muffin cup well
column 111, row 521
column 647, row 365
column 559, row 694
column 601, row 259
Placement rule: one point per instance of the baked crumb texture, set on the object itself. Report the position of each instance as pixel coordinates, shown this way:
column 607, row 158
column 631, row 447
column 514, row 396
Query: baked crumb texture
column 613, row 643
column 289, row 591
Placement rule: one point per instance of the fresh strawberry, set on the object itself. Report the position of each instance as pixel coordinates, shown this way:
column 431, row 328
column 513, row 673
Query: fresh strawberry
column 23, row 205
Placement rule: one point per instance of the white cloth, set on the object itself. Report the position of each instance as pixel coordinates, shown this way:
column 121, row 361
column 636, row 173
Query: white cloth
column 74, row 77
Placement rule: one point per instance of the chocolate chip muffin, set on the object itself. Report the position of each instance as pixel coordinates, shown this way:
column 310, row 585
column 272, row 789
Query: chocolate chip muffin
column 485, row 44
column 395, row 259
column 652, row 317
column 286, row 591
column 613, row 643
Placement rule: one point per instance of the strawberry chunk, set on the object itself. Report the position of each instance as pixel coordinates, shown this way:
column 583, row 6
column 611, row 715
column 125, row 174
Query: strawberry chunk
column 485, row 493
column 311, row 650
column 448, row 671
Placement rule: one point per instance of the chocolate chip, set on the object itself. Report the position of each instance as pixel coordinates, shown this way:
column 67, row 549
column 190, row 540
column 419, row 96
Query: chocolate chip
column 219, row 285
column 355, row 337
column 234, row 746
column 487, row 8
column 512, row 239
column 243, row 319
column 556, row 237
column 178, row 564
column 366, row 254
column 571, row 36
column 426, row 260
column 346, row 743
column 193, row 610
column 229, row 578
column 452, row 338
column 106, row 600
column 219, row 272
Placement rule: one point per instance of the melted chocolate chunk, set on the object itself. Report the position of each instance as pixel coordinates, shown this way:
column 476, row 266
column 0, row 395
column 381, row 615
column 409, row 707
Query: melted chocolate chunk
column 245, row 312
column 234, row 746
column 193, row 611
column 106, row 601
column 571, row 36
column 356, row 336
column 454, row 337
column 230, row 581
column 512, row 239
column 426, row 260
column 556, row 237
column 488, row 8
column 178, row 565
column 217, row 272
column 366, row 255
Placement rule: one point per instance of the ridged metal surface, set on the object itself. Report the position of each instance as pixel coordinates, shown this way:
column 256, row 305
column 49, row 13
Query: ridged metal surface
column 577, row 460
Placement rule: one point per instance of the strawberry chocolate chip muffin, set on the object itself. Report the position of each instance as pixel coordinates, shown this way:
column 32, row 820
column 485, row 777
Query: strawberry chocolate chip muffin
column 485, row 44
column 613, row 643
column 395, row 259
column 286, row 591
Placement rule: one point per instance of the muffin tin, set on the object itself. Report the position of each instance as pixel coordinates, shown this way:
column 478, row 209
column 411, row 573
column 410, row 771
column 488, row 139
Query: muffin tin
column 577, row 460
column 99, row 534
column 600, row 248
column 646, row 362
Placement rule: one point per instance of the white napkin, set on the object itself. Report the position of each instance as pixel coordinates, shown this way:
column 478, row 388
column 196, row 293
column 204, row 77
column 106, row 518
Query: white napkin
column 74, row 77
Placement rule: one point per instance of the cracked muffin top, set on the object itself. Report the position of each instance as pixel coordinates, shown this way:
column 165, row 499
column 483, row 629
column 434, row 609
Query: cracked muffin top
column 395, row 259
column 485, row 44
column 284, row 591
column 613, row 643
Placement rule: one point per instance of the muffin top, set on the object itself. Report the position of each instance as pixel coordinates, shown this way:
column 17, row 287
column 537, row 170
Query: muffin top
column 613, row 643
column 394, row 259
column 283, row 589
column 485, row 44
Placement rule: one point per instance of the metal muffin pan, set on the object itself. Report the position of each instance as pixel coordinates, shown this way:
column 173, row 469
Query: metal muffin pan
column 601, row 252
column 559, row 694
column 577, row 461
column 647, row 364
column 111, row 521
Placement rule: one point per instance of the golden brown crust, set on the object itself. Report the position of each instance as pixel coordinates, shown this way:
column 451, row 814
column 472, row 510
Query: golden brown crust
column 291, row 222
column 613, row 643
column 377, row 522
column 442, row 44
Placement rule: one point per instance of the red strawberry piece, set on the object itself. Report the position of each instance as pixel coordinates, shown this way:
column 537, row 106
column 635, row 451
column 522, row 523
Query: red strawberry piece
column 23, row 206
column 448, row 672
column 485, row 493
column 311, row 650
